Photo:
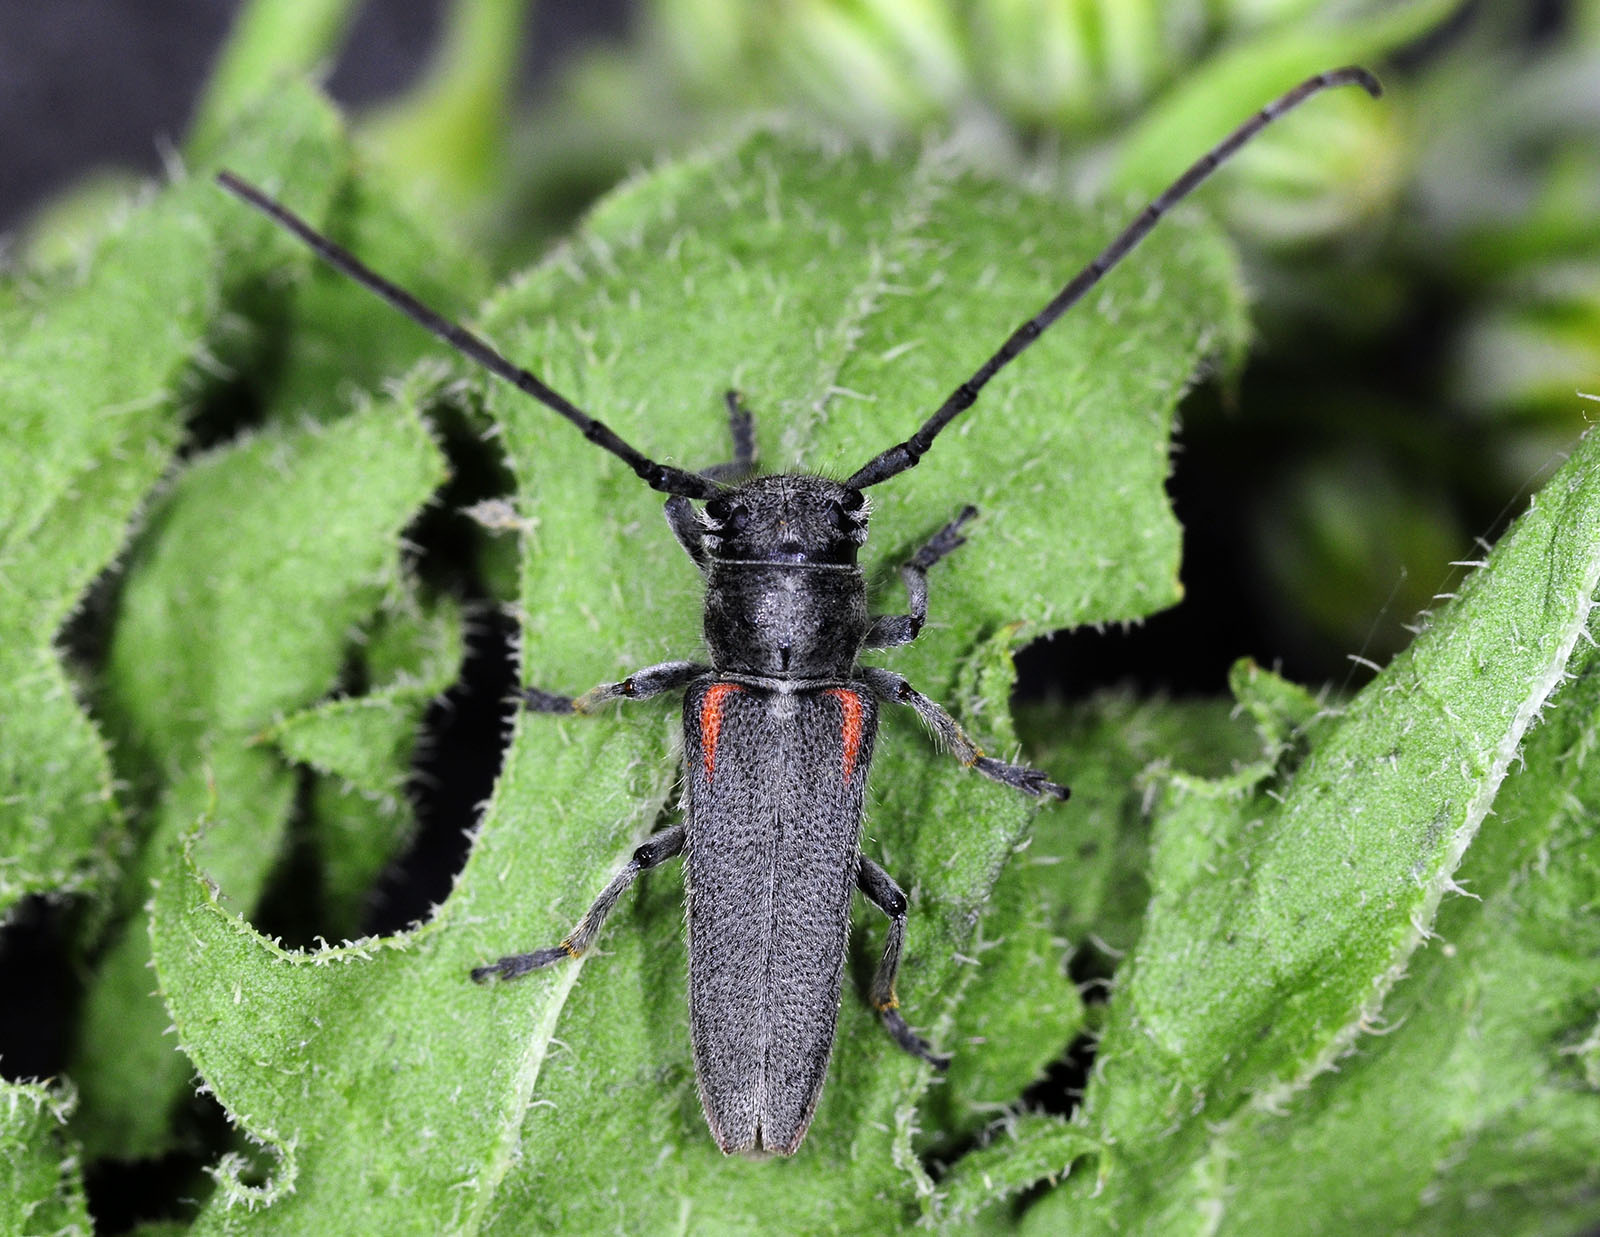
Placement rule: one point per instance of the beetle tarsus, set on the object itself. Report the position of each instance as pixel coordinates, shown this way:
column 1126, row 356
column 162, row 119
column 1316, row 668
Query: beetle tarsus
column 742, row 428
column 890, row 631
column 1028, row 780
column 891, row 687
column 537, row 700
column 654, row 850
column 515, row 965
column 911, row 1041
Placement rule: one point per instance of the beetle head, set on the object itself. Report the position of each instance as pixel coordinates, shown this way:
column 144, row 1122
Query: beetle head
column 792, row 518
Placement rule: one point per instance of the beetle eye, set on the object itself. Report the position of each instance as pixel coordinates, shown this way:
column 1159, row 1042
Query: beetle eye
column 729, row 516
column 842, row 512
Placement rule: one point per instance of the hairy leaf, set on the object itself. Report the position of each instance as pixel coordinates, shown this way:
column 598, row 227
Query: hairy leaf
column 97, row 391
column 362, row 747
column 1476, row 1106
column 1072, row 895
column 90, row 387
column 41, row 1177
column 1286, row 904
column 212, row 644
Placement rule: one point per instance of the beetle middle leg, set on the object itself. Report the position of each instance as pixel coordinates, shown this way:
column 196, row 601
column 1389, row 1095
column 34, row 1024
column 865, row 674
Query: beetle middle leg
column 888, row 897
column 892, row 630
column 893, row 688
column 653, row 851
column 640, row 685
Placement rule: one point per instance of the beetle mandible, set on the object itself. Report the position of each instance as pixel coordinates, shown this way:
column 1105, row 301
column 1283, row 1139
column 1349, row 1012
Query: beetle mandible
column 779, row 727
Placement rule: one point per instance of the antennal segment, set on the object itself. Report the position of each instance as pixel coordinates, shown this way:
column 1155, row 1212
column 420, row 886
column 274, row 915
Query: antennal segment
column 906, row 454
column 660, row 477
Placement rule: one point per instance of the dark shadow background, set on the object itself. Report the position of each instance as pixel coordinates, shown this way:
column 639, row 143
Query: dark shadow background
column 86, row 83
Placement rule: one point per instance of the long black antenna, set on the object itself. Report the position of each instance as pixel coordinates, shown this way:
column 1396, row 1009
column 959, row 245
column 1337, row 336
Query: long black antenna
column 661, row 477
column 905, row 455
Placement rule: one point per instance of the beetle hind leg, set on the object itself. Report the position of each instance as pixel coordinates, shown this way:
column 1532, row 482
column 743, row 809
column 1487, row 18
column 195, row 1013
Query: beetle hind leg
column 881, row 890
column 653, row 851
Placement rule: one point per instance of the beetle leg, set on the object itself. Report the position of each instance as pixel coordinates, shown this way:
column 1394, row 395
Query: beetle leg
column 654, row 850
column 640, row 685
column 684, row 521
column 889, row 898
column 742, row 425
column 893, row 688
column 682, row 518
column 891, row 630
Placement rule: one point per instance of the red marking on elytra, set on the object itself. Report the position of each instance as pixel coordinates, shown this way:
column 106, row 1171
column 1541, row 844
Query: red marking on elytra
column 711, row 722
column 851, row 703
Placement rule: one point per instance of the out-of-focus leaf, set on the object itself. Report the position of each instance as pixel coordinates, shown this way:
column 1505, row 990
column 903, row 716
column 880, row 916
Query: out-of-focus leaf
column 1337, row 531
column 1214, row 96
column 448, row 135
column 271, row 44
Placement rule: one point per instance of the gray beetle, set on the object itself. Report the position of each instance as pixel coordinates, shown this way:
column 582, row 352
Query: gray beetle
column 779, row 727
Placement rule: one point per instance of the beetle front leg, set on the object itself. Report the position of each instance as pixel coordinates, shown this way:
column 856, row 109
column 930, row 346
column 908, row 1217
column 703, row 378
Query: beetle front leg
column 894, row 689
column 888, row 897
column 682, row 518
column 654, row 850
column 892, row 630
column 640, row 685
column 742, row 427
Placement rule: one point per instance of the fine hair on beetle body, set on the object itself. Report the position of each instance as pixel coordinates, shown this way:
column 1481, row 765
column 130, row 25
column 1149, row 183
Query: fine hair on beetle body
column 780, row 722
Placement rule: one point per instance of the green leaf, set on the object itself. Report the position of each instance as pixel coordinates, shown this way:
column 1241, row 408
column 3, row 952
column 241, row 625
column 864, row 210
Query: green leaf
column 1074, row 893
column 41, row 1181
column 1088, row 860
column 1075, row 887
column 363, row 746
column 1024, row 1150
column 212, row 644
column 844, row 295
column 90, row 385
column 449, row 132
column 1247, row 74
column 337, row 339
column 271, row 47
column 1477, row 1105
column 1286, row 906
column 366, row 740
column 179, row 710
column 96, row 391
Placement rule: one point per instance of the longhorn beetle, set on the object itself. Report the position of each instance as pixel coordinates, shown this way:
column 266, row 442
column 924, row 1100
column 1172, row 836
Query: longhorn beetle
column 779, row 728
